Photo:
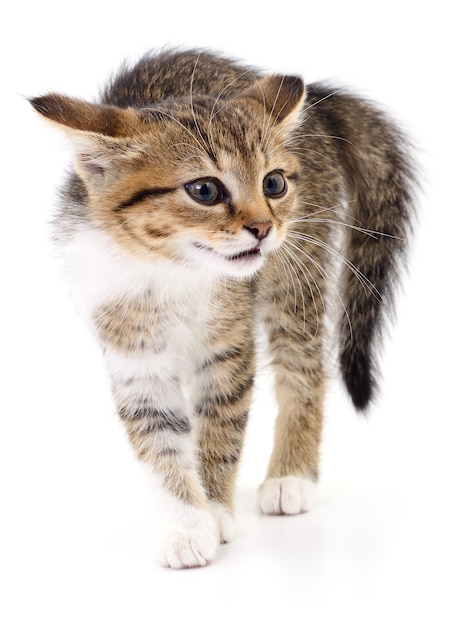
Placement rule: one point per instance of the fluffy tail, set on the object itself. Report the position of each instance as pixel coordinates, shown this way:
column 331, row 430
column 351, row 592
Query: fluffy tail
column 381, row 178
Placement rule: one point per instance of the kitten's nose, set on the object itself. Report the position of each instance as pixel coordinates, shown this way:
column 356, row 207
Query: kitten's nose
column 259, row 230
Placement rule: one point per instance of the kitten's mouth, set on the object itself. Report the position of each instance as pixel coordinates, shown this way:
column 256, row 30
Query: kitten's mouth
column 237, row 264
column 245, row 254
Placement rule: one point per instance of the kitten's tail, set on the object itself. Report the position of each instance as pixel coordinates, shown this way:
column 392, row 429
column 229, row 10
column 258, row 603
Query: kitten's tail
column 381, row 178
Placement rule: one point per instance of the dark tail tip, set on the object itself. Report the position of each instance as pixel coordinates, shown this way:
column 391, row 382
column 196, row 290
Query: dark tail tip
column 356, row 370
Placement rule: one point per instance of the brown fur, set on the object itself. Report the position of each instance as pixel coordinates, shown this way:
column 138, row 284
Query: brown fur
column 178, row 117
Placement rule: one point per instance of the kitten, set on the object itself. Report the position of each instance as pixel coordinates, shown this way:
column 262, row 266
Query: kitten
column 207, row 200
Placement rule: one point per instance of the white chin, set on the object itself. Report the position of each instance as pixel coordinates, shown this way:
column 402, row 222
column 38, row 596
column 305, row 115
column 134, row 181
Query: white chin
column 242, row 266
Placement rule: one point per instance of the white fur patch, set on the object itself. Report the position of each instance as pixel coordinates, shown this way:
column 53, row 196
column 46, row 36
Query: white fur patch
column 186, row 536
column 99, row 271
column 144, row 366
column 191, row 543
column 289, row 495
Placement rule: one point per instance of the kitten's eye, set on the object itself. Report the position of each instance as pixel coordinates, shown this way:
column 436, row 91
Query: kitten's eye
column 274, row 185
column 206, row 191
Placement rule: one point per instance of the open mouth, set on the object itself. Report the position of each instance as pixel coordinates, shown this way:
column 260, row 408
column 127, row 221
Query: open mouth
column 243, row 255
column 246, row 254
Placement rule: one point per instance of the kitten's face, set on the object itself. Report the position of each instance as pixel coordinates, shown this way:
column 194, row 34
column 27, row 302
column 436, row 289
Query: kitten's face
column 216, row 196
column 212, row 184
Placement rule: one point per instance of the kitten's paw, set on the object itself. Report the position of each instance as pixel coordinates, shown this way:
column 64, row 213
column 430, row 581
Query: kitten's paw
column 289, row 495
column 225, row 522
column 190, row 543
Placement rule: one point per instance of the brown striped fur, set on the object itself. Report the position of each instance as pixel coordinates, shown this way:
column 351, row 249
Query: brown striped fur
column 341, row 227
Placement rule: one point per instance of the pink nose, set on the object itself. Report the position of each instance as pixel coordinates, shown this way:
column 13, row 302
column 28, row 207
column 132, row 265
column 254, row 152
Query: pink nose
column 259, row 230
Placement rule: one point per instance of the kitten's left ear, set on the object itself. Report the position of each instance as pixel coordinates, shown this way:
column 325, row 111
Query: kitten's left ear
column 282, row 98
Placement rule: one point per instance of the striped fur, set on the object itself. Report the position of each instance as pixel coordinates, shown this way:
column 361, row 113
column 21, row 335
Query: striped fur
column 207, row 199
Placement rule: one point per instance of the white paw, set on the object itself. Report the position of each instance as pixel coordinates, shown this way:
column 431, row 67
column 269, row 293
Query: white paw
column 289, row 495
column 191, row 543
column 225, row 522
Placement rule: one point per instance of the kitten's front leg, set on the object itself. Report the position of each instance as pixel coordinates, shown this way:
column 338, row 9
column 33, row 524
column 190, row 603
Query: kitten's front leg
column 295, row 336
column 293, row 468
column 187, row 535
column 222, row 395
column 153, row 412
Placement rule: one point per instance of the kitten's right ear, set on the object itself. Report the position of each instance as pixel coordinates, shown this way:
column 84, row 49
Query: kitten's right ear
column 97, row 132
column 282, row 97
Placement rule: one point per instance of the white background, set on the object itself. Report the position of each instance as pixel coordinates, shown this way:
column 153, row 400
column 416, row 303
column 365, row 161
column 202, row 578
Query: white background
column 380, row 546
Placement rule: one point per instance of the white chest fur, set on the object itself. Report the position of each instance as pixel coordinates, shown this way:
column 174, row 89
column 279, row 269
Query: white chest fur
column 99, row 272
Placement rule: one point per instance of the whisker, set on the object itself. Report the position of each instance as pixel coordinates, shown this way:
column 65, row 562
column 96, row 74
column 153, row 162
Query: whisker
column 214, row 113
column 201, row 147
column 330, row 283
column 285, row 263
column 193, row 113
column 303, row 268
column 334, row 207
column 324, row 137
column 375, row 234
column 313, row 104
column 337, row 208
column 300, row 152
column 363, row 280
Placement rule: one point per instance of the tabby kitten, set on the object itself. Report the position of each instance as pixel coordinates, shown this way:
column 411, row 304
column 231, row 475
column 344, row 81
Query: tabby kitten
column 206, row 200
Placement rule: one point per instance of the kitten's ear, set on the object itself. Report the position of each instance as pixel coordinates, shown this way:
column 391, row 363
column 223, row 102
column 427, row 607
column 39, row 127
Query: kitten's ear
column 95, row 131
column 282, row 98
column 80, row 115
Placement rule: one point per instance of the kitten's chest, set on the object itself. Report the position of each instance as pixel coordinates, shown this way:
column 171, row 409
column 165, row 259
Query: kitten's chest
column 170, row 329
column 162, row 316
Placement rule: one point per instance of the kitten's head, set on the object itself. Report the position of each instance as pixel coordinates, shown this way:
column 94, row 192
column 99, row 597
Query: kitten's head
column 197, row 180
